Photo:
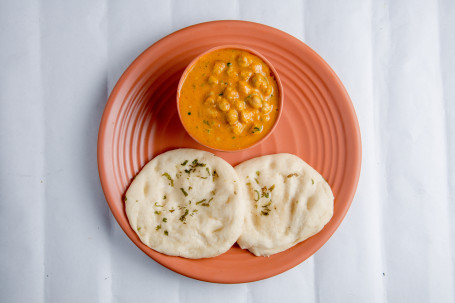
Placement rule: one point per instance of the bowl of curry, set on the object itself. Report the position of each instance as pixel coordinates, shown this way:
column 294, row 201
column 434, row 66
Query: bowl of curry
column 230, row 98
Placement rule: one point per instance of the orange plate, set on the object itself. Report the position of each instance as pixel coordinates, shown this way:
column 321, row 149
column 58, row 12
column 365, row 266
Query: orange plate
column 318, row 124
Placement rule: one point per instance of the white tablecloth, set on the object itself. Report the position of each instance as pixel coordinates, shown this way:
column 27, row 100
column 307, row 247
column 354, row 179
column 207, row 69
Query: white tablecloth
column 59, row 60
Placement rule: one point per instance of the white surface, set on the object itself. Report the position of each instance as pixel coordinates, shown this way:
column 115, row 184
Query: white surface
column 60, row 59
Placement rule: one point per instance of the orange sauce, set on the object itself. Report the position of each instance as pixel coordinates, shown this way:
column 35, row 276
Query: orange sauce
column 229, row 99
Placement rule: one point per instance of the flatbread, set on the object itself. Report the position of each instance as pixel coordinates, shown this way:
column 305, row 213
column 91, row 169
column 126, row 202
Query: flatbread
column 186, row 203
column 287, row 202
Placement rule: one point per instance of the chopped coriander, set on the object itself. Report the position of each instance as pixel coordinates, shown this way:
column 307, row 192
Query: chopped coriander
column 255, row 179
column 195, row 210
column 124, row 198
column 208, row 170
column 213, row 192
column 189, row 113
column 184, row 192
column 190, row 188
column 164, row 220
column 184, row 163
column 257, row 192
column 158, row 227
column 229, row 64
column 220, row 94
column 258, row 173
column 271, row 188
column 166, row 233
column 267, row 205
column 183, row 217
column 206, row 123
column 256, row 129
column 172, row 210
column 215, row 175
column 208, row 203
column 202, row 201
column 137, row 200
column 292, row 175
column 164, row 198
column 157, row 212
column 169, row 178
column 312, row 181
column 138, row 229
column 196, row 163
column 233, row 137
column 158, row 205
column 265, row 213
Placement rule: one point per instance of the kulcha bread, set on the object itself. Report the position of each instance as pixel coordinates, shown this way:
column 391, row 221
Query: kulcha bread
column 287, row 202
column 186, row 203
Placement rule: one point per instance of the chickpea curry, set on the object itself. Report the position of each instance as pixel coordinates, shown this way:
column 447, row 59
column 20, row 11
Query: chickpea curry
column 229, row 99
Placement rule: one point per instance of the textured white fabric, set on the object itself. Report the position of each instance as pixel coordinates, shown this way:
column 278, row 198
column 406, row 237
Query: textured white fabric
column 60, row 59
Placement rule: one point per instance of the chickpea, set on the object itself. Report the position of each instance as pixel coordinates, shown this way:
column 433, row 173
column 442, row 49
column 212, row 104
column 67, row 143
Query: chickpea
column 232, row 116
column 265, row 118
column 210, row 101
column 212, row 80
column 258, row 81
column 232, row 73
column 244, row 60
column 239, row 105
column 224, row 105
column 237, row 128
column 218, row 67
column 246, row 117
column 255, row 115
column 257, row 67
column 231, row 94
column 268, row 90
column 266, row 108
column 244, row 87
column 264, row 87
column 211, row 112
column 255, row 101
column 246, row 74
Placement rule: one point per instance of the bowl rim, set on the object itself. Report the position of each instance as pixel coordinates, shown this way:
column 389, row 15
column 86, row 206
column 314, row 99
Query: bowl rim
column 190, row 66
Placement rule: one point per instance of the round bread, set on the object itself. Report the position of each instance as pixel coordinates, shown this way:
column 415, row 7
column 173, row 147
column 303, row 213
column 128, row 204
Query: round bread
column 186, row 203
column 287, row 202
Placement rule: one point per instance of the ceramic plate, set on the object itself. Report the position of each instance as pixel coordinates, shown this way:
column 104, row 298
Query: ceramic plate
column 318, row 124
